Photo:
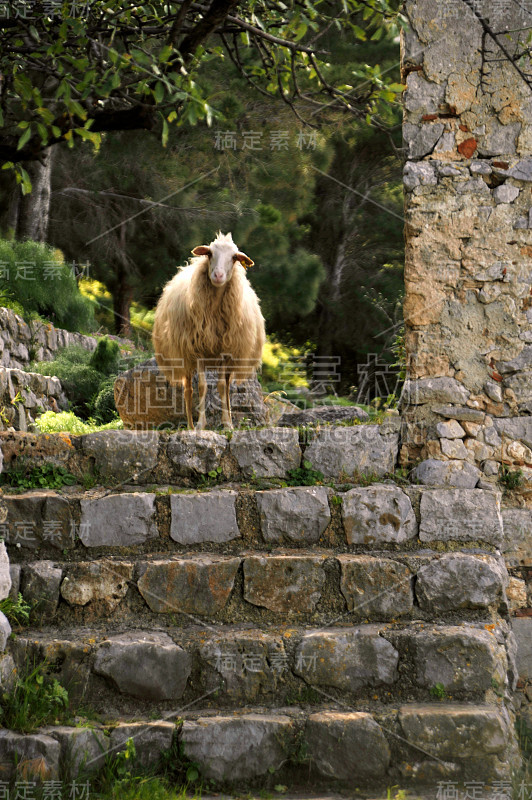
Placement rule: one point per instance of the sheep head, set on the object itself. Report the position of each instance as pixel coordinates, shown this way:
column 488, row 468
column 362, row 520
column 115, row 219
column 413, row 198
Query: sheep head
column 222, row 254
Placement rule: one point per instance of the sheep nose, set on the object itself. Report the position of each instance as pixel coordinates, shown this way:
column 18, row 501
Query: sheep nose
column 218, row 275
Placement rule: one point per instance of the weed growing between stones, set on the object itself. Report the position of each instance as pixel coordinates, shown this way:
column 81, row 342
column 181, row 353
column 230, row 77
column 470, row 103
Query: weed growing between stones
column 35, row 700
column 304, row 695
column 510, row 479
column 304, row 476
column 48, row 476
column 438, row 691
column 212, row 478
column 17, row 611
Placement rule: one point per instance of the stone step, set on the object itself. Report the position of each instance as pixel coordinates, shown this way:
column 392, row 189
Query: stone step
column 136, row 457
column 413, row 743
column 266, row 588
column 134, row 670
column 173, row 519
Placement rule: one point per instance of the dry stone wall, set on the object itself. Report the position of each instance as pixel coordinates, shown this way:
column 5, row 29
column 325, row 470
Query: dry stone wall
column 468, row 275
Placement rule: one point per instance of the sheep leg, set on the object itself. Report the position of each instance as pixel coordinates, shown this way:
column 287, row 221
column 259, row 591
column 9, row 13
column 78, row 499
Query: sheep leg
column 223, row 390
column 187, row 388
column 202, row 391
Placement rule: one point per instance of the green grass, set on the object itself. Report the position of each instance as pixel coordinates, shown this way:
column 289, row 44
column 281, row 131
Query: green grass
column 510, row 479
column 36, row 700
column 17, row 611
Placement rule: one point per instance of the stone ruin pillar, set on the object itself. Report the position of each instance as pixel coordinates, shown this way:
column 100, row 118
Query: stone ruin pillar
column 467, row 405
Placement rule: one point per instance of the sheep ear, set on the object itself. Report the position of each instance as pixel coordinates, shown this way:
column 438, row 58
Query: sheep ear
column 202, row 250
column 244, row 260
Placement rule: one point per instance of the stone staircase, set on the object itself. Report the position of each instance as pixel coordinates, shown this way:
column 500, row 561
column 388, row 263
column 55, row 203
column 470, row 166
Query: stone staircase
column 342, row 637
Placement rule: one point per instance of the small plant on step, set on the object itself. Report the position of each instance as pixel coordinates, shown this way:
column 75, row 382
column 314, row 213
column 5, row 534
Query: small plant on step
column 36, row 699
column 17, row 611
column 304, row 476
column 510, row 479
column 438, row 691
column 49, row 476
column 212, row 478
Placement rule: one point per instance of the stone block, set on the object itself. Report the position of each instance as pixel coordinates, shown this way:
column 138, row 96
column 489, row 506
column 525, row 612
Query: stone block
column 143, row 664
column 38, row 518
column 376, row 588
column 522, row 629
column 517, row 541
column 347, row 746
column 346, row 658
column 234, row 748
column 266, row 452
column 204, row 517
column 40, row 587
column 5, row 573
column 433, row 472
column 151, row 739
column 450, row 430
column 457, row 581
column 364, row 449
column 101, row 582
column 461, row 658
column 433, row 390
column 198, row 585
column 455, row 731
column 122, row 456
column 82, row 749
column 5, row 630
column 376, row 514
column 291, row 584
column 246, row 664
column 8, row 673
column 195, row 453
column 460, row 514
column 28, row 756
column 293, row 515
column 453, row 448
column 118, row 520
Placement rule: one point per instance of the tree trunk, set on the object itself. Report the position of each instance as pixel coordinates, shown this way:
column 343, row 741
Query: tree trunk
column 32, row 212
column 123, row 291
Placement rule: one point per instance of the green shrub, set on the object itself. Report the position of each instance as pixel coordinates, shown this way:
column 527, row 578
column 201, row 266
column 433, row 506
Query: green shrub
column 80, row 381
column 106, row 356
column 67, row 421
column 36, row 281
column 104, row 409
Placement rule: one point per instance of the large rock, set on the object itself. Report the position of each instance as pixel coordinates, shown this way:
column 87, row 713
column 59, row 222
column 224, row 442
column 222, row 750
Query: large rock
column 346, row 658
column 459, row 657
column 37, row 519
column 455, row 731
column 348, row 746
column 5, row 574
column 346, row 451
column 102, row 582
column 522, row 628
column 247, row 663
column 122, row 456
column 29, row 756
column 457, row 581
column 146, row 665
column 376, row 514
column 195, row 453
column 376, row 588
column 285, row 583
column 237, row 748
column 461, row 474
column 144, row 399
column 151, row 739
column 40, row 587
column 266, row 452
column 82, row 749
column 460, row 514
column 517, row 525
column 118, row 520
column 433, row 390
column 293, row 515
column 204, row 517
column 198, row 585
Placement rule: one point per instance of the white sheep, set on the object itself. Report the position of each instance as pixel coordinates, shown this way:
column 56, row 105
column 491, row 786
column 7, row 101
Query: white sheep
column 209, row 317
